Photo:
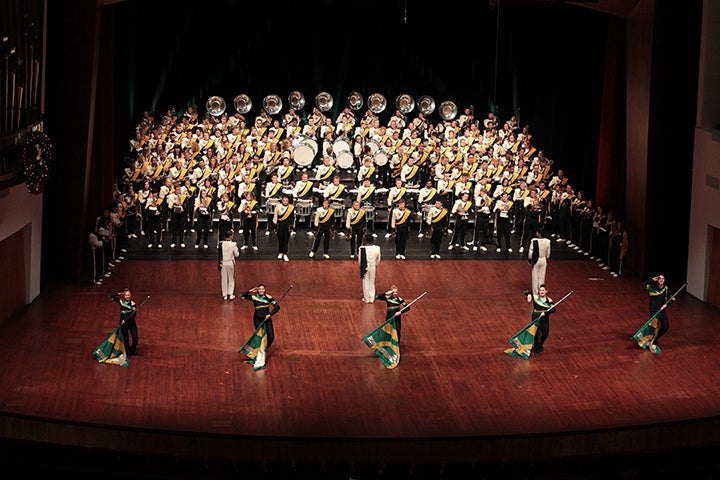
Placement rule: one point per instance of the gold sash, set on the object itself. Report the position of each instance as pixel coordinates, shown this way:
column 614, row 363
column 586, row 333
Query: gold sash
column 403, row 218
column 358, row 216
column 328, row 215
column 369, row 192
column 439, row 216
column 286, row 214
column 340, row 190
column 306, row 189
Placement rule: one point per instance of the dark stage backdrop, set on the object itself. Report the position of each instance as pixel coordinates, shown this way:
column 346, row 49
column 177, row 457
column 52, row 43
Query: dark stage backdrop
column 543, row 61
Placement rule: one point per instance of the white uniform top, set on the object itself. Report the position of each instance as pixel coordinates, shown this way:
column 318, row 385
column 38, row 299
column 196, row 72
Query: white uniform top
column 229, row 250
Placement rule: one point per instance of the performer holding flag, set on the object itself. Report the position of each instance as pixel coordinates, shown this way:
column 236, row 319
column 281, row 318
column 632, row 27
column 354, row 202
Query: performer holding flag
column 531, row 338
column 385, row 339
column 658, row 325
column 259, row 342
column 114, row 349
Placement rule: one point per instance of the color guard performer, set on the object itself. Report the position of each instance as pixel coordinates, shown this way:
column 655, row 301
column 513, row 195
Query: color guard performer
column 265, row 307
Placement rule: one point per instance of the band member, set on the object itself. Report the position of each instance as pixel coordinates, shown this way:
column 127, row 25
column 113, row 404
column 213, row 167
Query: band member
column 283, row 220
column 248, row 211
column 203, row 204
column 177, row 204
column 227, row 253
column 226, row 210
column 369, row 259
column 336, row 192
column 542, row 308
column 395, row 195
column 461, row 209
column 367, row 170
column 482, row 220
column 325, row 172
column 437, row 220
column 154, row 213
column 286, row 171
column 128, row 324
column 265, row 307
column 659, row 295
column 324, row 216
column 426, row 199
column 396, row 306
column 303, row 191
column 356, row 222
column 502, row 221
column 400, row 223
column 366, row 197
column 273, row 192
column 538, row 255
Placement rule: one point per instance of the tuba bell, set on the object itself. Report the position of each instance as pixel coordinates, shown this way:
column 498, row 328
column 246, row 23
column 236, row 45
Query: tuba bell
column 355, row 100
column 426, row 104
column 296, row 100
column 405, row 103
column 448, row 110
column 272, row 104
column 377, row 103
column 215, row 106
column 324, row 101
column 243, row 104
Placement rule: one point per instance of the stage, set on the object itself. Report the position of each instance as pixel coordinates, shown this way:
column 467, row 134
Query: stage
column 325, row 397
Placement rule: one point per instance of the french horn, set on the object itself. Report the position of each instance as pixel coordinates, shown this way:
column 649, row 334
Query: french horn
column 377, row 103
column 243, row 104
column 355, row 100
column 426, row 104
column 296, row 100
column 324, row 101
column 215, row 106
column 448, row 110
column 405, row 103
column 272, row 104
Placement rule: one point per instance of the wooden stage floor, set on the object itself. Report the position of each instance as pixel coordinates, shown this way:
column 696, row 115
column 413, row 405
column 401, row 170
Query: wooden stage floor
column 454, row 397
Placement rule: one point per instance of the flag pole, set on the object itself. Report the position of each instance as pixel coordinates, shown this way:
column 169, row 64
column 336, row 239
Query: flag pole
column 418, row 298
column 563, row 298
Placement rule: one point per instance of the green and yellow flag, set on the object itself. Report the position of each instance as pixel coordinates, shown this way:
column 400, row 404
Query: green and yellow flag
column 523, row 341
column 256, row 347
column 647, row 332
column 384, row 342
column 112, row 350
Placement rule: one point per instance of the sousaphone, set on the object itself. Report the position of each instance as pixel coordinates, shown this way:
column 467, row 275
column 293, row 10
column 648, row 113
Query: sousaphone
column 296, row 100
column 426, row 104
column 324, row 101
column 355, row 100
column 215, row 106
column 448, row 110
column 272, row 104
column 243, row 104
column 377, row 103
column 405, row 103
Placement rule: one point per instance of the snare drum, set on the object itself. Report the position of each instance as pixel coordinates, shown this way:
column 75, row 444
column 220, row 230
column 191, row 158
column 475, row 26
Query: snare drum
column 380, row 158
column 271, row 204
column 341, row 144
column 339, row 209
column 345, row 160
column 369, row 213
column 304, row 207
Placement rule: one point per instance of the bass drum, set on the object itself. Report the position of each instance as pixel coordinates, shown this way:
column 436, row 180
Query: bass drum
column 304, row 153
column 341, row 144
column 345, row 160
column 380, row 158
column 373, row 146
